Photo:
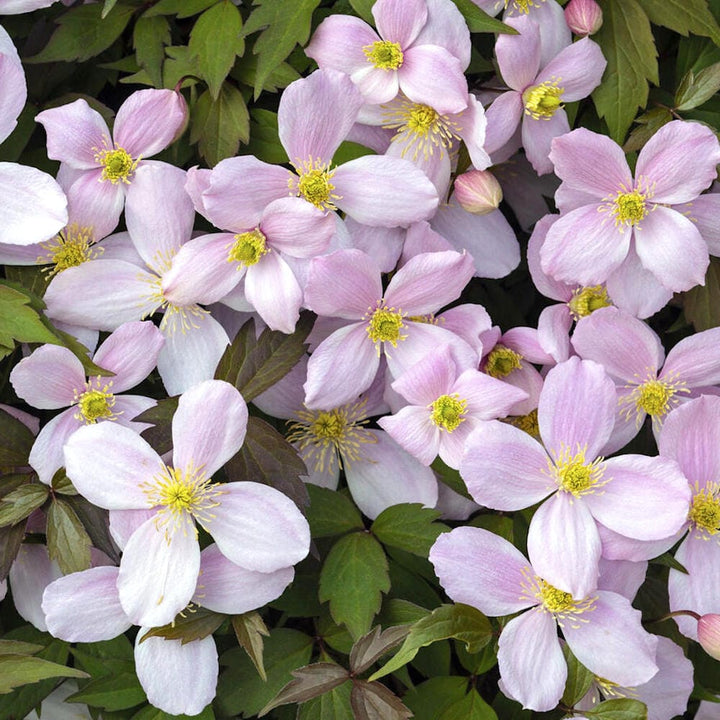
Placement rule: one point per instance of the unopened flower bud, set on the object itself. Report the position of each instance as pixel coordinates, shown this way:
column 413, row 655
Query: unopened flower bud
column 708, row 631
column 478, row 192
column 584, row 17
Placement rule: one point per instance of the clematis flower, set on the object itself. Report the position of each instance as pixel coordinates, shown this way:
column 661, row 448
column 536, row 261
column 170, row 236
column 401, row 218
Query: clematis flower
column 606, row 214
column 254, row 525
column 603, row 630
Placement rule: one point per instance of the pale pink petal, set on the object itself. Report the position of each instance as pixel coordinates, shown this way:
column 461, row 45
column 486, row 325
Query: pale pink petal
column 123, row 523
column 470, row 322
column 430, row 378
column 159, row 571
column 671, row 248
column 258, row 528
column 12, row 79
column 111, row 479
column 33, row 208
column 75, row 134
column 315, row 115
column 445, row 26
column 48, row 378
column 704, row 211
column 228, row 588
column 46, row 455
column 413, row 430
column 577, row 408
column 338, row 43
column 297, row 228
column 612, row 643
column 85, row 607
column 504, row 468
column 518, row 56
column 591, row 163
column 31, row 572
column 524, row 341
column 537, row 137
column 384, row 245
column 577, row 69
column 197, row 182
column 678, row 162
column 344, row 284
column 431, row 75
column 472, row 127
column 148, row 121
column 647, row 498
column 532, row 666
column 487, row 397
column 479, row 568
column 377, row 85
column 564, row 545
column 503, row 118
column 209, row 426
column 177, row 679
column 554, row 31
column 286, row 396
column 619, row 547
column 273, row 290
column 128, row 407
column 694, row 360
column 384, row 191
column 98, row 199
column 553, row 330
column 622, row 576
column 190, row 357
column 399, row 21
column 368, row 478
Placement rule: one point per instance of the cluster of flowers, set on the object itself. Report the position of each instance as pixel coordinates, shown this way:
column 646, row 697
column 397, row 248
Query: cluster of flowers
column 527, row 417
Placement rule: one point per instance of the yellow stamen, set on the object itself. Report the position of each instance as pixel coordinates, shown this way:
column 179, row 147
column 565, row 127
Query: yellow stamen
column 313, row 183
column 448, row 411
column 586, row 300
column 653, row 396
column 71, row 247
column 95, row 403
column 629, row 206
column 521, row 6
column 541, row 101
column 528, row 423
column 552, row 600
column 705, row 510
column 117, row 165
column 384, row 325
column 248, row 248
column 384, row 54
column 501, row 361
column 575, row 475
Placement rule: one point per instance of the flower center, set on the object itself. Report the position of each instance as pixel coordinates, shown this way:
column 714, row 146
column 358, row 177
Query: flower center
column 541, row 101
column 70, row 248
column 629, row 206
column 575, row 475
column 528, row 423
column 448, row 411
column 95, row 403
column 420, row 129
column 384, row 325
column 554, row 600
column 521, row 6
column 384, row 54
column 588, row 299
column 501, row 361
column 314, row 184
column 248, row 248
column 117, row 165
column 705, row 509
column 332, row 436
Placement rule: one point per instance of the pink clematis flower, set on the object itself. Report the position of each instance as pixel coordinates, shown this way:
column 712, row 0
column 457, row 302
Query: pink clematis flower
column 607, row 216
column 421, row 49
column 254, row 525
column 602, row 629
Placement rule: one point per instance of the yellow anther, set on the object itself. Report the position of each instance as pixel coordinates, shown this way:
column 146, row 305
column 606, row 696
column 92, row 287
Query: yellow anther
column 541, row 101
column 588, row 299
column 448, row 411
column 117, row 165
column 385, row 325
column 248, row 248
column 501, row 361
column 384, row 54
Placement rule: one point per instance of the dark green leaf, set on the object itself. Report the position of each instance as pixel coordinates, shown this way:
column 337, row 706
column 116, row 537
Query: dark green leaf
column 309, row 682
column 477, row 663
column 450, row 477
column 249, row 630
column 67, row 541
column 18, row 322
column 410, row 527
column 160, row 416
column 264, row 141
column 18, row 647
column 372, row 646
column 253, row 366
column 267, row 457
column 334, row 705
column 242, row 690
column 373, row 701
column 283, row 25
column 364, row 9
column 579, row 679
column 648, row 124
column 300, row 598
column 471, row 707
column 331, row 513
column 193, row 625
column 629, row 48
column 479, row 21
column 106, row 657
column 180, row 65
column 219, row 126
column 669, row 560
column 461, row 622
column 84, row 34
column 245, row 71
column 181, row 8
column 18, row 504
column 216, row 41
column 618, row 709
column 683, row 16
column 95, row 522
column 10, row 540
column 353, row 578
column 150, row 36
column 62, row 484
column 430, row 699
column 16, row 440
column 702, row 303
column 396, row 611
column 17, row 670
column 107, row 7
column 113, row 692
column 695, row 89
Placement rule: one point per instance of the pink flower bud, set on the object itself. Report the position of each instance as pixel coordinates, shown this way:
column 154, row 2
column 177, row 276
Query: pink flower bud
column 478, row 192
column 709, row 634
column 584, row 17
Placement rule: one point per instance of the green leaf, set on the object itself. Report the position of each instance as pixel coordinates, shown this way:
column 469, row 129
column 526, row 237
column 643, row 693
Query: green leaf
column 281, row 76
column 95, row 521
column 471, row 707
column 105, row 657
column 669, row 560
column 264, row 140
column 283, row 25
column 180, row 65
column 695, row 89
column 267, row 457
column 193, row 625
column 249, row 630
column 579, row 679
column 450, row 477
column 334, row 705
column 702, row 304
column 309, row 682
column 255, row 365
column 112, row 692
column 181, row 8
column 373, row 645
column 242, row 690
column 479, row 21
column 216, row 41
column 648, row 124
column 618, row 709
column 18, row 647
column 683, row 16
column 629, row 48
column 107, row 7
column 18, row 504
column 461, row 622
column 150, row 36
column 67, row 541
column 364, row 9
column 331, row 513
column 10, row 540
column 430, row 699
column 18, row 322
column 219, row 126
column 373, row 701
column 409, row 526
column 17, row 670
column 353, row 578
column 16, row 440
column 84, row 34
column 152, row 713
